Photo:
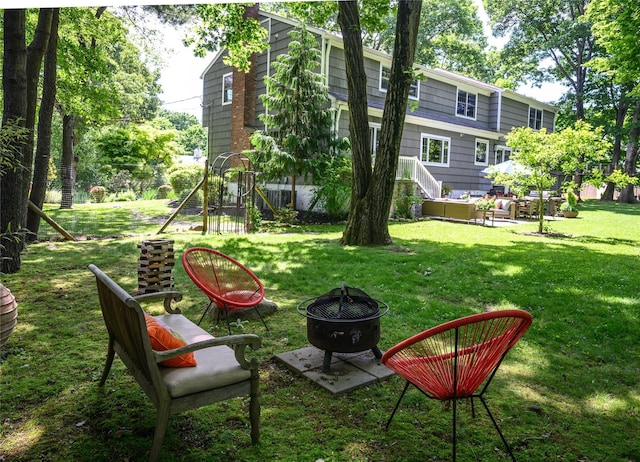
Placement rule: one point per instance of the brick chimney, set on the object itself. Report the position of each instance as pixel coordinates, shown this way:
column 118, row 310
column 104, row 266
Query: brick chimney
column 243, row 102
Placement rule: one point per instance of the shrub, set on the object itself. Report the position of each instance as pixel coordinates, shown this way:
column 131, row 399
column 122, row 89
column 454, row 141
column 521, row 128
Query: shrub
column 121, row 181
column 125, row 196
column 405, row 200
column 334, row 187
column 53, row 196
column 149, row 194
column 195, row 201
column 286, row 216
column 185, row 179
column 97, row 193
column 80, row 196
column 254, row 219
column 164, row 191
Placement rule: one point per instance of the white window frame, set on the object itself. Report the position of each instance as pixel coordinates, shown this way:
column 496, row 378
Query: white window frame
column 445, row 151
column 226, row 100
column 466, row 104
column 505, row 153
column 374, row 135
column 538, row 111
column 486, row 152
column 414, row 90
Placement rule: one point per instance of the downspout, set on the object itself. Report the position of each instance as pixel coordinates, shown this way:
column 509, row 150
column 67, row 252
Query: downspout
column 268, row 70
column 325, row 58
column 499, row 115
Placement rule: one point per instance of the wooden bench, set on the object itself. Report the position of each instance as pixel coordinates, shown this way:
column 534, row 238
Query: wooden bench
column 222, row 371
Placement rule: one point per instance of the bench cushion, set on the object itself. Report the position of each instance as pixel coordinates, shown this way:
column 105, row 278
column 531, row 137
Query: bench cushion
column 216, row 366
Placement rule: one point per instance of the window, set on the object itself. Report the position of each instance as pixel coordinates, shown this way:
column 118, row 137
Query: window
column 535, row 118
column 374, row 135
column 385, row 73
column 482, row 152
column 503, row 153
column 435, row 150
column 466, row 105
column 227, row 91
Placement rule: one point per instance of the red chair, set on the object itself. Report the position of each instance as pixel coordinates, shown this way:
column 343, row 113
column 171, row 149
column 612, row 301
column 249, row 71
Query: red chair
column 229, row 285
column 458, row 359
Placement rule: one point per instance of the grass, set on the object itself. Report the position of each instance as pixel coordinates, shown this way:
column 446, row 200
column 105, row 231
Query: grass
column 569, row 391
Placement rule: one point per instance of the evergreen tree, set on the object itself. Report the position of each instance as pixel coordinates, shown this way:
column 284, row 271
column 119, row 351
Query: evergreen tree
column 298, row 125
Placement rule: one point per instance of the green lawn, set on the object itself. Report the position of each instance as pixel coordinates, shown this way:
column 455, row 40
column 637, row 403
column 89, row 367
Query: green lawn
column 569, row 391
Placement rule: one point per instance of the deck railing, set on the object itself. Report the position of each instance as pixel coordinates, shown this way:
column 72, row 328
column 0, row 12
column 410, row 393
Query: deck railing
column 412, row 168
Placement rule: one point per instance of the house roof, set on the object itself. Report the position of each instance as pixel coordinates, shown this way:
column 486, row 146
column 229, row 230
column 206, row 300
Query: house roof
column 433, row 73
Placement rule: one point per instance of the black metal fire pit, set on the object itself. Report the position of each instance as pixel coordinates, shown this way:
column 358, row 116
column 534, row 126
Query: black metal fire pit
column 344, row 320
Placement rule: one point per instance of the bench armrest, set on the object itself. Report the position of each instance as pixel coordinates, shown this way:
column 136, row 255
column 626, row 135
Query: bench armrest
column 239, row 343
column 170, row 298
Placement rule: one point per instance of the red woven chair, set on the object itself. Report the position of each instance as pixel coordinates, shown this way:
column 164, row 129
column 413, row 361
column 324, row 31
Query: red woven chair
column 228, row 284
column 458, row 359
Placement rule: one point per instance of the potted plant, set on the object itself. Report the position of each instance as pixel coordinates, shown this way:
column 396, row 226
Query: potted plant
column 446, row 190
column 569, row 208
column 483, row 206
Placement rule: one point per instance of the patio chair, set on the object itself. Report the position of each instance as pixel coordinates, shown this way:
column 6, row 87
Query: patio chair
column 227, row 283
column 178, row 365
column 458, row 359
column 533, row 209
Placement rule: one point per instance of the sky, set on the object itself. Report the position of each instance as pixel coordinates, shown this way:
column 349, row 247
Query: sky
column 180, row 78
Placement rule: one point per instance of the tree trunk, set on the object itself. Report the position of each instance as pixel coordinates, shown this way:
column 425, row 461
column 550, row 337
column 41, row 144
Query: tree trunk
column 627, row 194
column 67, row 163
column 13, row 206
column 622, row 108
column 35, row 53
column 373, row 191
column 43, row 149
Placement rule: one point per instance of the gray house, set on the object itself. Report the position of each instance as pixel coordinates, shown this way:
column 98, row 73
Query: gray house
column 456, row 125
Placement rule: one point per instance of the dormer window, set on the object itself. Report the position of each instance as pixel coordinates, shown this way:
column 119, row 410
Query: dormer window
column 466, row 104
column 535, row 118
column 385, row 73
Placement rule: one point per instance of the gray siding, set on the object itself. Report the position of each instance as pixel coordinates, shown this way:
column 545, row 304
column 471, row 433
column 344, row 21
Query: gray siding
column 514, row 114
column 216, row 116
column 548, row 120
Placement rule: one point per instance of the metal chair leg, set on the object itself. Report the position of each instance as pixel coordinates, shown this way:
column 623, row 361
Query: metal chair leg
column 455, row 414
column 495, row 424
column 261, row 318
column 386, row 427
column 205, row 312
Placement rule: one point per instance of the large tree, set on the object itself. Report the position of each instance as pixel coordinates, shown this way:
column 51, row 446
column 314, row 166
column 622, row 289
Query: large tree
column 552, row 33
column 373, row 188
column 548, row 40
column 43, row 149
column 616, row 25
column 20, row 73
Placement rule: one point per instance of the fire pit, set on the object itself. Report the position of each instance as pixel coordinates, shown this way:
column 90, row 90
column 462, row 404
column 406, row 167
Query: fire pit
column 344, row 320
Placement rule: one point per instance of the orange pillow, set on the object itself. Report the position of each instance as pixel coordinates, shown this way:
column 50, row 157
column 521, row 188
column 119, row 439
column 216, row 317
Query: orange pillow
column 164, row 338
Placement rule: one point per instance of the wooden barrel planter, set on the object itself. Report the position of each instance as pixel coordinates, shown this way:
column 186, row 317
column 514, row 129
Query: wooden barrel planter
column 8, row 314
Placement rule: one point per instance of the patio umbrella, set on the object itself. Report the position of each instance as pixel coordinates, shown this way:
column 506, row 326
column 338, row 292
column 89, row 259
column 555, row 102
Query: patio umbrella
column 508, row 166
